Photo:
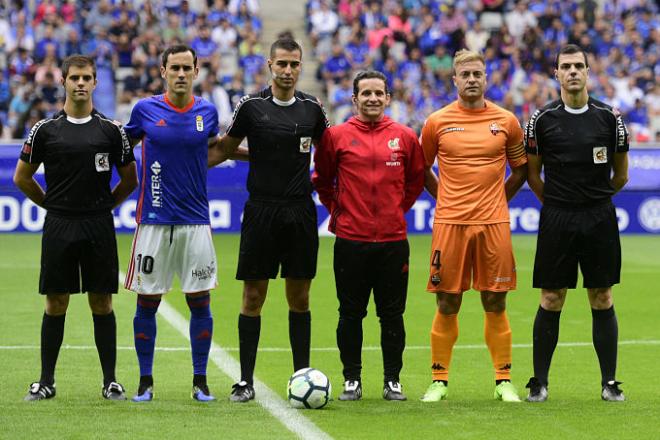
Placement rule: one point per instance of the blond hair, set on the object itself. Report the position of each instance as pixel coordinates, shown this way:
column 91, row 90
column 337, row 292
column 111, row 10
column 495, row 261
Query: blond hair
column 465, row 56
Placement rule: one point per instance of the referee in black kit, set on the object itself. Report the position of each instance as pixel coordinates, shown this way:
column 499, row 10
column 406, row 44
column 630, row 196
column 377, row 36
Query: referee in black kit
column 78, row 148
column 279, row 221
column 581, row 144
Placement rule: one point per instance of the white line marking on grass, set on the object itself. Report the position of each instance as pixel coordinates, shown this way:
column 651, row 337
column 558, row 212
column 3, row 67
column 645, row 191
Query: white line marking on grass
column 292, row 419
column 367, row 348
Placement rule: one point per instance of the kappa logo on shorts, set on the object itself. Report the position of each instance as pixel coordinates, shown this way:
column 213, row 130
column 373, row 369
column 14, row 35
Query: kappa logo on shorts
column 600, row 154
column 435, row 279
column 102, row 162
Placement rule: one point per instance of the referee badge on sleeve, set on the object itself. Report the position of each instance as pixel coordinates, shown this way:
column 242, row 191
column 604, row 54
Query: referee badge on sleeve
column 305, row 144
column 600, row 155
column 102, row 162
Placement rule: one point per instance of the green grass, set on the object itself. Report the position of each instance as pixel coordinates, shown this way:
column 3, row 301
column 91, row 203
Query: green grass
column 574, row 410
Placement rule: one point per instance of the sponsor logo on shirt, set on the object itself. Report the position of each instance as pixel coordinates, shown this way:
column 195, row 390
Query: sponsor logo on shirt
column 393, row 144
column 156, row 187
column 394, row 160
column 199, row 123
column 102, row 162
column 451, row 129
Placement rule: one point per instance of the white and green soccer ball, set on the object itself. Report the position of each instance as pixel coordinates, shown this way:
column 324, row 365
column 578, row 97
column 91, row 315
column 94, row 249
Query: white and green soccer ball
column 309, row 388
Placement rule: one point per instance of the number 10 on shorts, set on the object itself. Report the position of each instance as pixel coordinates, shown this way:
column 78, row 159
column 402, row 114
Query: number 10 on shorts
column 144, row 264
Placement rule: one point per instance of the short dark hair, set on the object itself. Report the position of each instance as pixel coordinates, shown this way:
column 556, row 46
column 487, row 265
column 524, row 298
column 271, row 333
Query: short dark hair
column 368, row 74
column 178, row 48
column 77, row 60
column 288, row 44
column 570, row 49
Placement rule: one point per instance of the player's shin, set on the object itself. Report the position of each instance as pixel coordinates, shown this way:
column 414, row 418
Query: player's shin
column 497, row 333
column 201, row 333
column 444, row 333
column 144, row 328
column 105, row 337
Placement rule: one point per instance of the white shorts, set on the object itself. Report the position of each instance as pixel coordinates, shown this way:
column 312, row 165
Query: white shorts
column 160, row 251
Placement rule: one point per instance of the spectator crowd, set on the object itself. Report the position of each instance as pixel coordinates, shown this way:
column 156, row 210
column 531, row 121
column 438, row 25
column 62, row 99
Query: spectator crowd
column 413, row 42
column 126, row 39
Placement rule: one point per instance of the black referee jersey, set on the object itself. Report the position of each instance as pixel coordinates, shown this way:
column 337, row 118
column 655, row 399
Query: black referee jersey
column 279, row 138
column 78, row 160
column 578, row 150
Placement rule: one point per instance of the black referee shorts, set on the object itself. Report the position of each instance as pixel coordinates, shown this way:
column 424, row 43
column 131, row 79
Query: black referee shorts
column 79, row 248
column 568, row 238
column 277, row 233
column 361, row 267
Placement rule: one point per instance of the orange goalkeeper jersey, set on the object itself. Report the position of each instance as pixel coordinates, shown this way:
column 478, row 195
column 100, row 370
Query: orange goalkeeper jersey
column 472, row 147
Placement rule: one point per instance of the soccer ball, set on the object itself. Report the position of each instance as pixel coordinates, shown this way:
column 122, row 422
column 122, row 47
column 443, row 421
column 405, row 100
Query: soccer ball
column 309, row 388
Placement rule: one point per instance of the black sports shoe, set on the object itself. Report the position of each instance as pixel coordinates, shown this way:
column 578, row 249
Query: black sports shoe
column 612, row 393
column 352, row 390
column 113, row 391
column 40, row 391
column 392, row 391
column 241, row 392
column 537, row 391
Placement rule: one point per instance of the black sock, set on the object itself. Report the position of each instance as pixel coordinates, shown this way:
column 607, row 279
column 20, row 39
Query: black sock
column 546, row 335
column 249, row 329
column 52, row 333
column 105, row 336
column 392, row 343
column 199, row 380
column 446, row 382
column 300, row 330
column 349, row 342
column 605, row 332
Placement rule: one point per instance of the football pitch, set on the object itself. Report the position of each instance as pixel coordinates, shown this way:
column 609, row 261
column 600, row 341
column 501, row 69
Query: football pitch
column 574, row 410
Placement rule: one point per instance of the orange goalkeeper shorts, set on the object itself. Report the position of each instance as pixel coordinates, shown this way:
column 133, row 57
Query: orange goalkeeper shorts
column 477, row 254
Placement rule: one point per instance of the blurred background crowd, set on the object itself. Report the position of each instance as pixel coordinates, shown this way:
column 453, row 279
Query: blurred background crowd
column 411, row 41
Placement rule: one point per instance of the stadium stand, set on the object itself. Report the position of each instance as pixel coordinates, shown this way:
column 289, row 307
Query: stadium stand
column 411, row 41
column 126, row 38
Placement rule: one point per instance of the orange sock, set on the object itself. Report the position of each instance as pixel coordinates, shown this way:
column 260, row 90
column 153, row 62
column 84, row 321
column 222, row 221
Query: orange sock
column 498, row 339
column 444, row 333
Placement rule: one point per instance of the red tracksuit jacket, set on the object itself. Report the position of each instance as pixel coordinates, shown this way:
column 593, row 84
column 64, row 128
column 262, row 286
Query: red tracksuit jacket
column 368, row 174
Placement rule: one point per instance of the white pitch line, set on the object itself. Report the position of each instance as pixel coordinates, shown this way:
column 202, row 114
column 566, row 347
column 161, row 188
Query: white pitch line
column 367, row 348
column 291, row 418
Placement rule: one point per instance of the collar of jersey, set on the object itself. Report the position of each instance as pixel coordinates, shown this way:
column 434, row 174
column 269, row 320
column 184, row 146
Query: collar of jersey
column 284, row 103
column 79, row 121
column 576, row 111
column 179, row 109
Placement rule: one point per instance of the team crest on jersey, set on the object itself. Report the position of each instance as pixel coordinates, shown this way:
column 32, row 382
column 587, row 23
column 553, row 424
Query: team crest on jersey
column 305, row 144
column 199, row 122
column 600, row 155
column 495, row 128
column 393, row 144
column 102, row 162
